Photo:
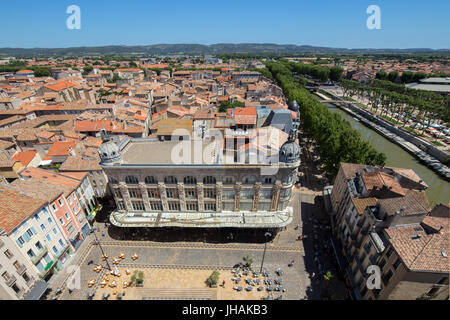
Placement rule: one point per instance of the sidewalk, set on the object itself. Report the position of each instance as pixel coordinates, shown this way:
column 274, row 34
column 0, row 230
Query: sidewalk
column 58, row 280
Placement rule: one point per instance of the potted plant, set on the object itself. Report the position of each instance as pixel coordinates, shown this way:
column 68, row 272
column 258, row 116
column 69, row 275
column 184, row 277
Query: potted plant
column 248, row 261
column 213, row 279
column 137, row 278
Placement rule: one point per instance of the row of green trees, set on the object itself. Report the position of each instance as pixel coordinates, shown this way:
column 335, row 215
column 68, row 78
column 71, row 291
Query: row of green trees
column 38, row 71
column 406, row 76
column 323, row 73
column 400, row 102
column 337, row 140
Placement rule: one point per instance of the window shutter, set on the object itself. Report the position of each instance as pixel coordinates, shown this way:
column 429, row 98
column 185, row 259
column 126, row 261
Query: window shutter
column 18, row 243
column 26, row 237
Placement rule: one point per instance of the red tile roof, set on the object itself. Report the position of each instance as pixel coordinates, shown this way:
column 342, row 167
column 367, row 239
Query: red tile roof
column 24, row 157
column 24, row 71
column 61, row 148
column 129, row 70
column 92, row 142
column 60, row 85
column 156, row 66
column 93, row 126
column 15, row 208
column 248, row 111
column 379, row 180
column 421, row 251
column 244, row 119
column 51, row 177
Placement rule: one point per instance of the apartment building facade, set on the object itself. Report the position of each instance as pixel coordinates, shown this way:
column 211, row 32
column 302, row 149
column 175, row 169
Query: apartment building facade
column 380, row 219
column 29, row 224
column 77, row 181
column 18, row 278
column 64, row 205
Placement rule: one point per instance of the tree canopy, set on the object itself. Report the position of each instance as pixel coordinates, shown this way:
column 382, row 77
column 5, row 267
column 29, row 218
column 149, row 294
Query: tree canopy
column 337, row 140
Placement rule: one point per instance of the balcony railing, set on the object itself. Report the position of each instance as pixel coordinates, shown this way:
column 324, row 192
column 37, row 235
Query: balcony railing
column 11, row 281
column 21, row 269
column 39, row 255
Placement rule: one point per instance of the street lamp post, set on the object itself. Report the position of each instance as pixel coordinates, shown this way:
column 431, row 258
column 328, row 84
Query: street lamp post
column 103, row 252
column 266, row 235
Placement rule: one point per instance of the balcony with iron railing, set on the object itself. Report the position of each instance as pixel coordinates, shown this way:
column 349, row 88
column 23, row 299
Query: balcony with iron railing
column 40, row 254
column 21, row 269
column 12, row 279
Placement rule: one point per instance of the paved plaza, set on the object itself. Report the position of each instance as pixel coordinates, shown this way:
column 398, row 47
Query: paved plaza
column 178, row 269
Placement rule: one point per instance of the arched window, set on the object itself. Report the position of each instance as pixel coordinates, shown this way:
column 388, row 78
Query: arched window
column 209, row 180
column 131, row 180
column 170, row 180
column 113, row 181
column 190, row 180
column 229, row 180
column 249, row 180
column 268, row 180
column 150, row 180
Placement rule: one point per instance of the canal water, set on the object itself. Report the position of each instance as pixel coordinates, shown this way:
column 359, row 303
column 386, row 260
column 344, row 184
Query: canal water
column 439, row 189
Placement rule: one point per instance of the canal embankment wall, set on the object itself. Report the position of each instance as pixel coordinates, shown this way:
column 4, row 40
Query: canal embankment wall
column 433, row 157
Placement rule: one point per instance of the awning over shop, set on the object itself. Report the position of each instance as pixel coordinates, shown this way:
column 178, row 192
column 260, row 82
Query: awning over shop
column 38, row 290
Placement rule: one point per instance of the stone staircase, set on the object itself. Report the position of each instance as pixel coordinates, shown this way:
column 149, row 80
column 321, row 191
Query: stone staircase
column 176, row 293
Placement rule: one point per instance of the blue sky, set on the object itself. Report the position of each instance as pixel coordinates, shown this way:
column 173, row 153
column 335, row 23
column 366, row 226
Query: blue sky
column 331, row 23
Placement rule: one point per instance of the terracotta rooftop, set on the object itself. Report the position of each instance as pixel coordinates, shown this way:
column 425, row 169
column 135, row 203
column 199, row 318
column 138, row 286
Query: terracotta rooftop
column 129, row 70
column 79, row 164
column 168, row 126
column 6, row 144
column 61, row 148
column 414, row 202
column 378, row 180
column 437, row 224
column 362, row 203
column 16, row 207
column 245, row 119
column 92, row 154
column 40, row 189
column 51, row 177
column 24, row 157
column 73, row 175
column 350, row 169
column 421, row 251
column 92, row 142
column 60, row 86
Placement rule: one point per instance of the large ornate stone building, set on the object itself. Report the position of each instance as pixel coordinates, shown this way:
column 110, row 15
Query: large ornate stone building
column 164, row 184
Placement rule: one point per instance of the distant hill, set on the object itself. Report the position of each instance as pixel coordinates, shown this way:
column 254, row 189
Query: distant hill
column 198, row 49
